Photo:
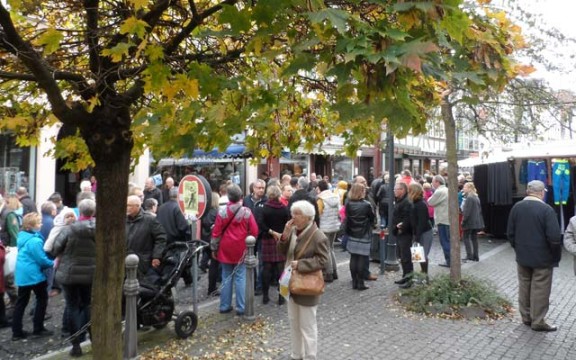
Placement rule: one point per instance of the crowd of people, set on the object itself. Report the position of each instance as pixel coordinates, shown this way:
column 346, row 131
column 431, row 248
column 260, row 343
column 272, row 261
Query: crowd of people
column 296, row 220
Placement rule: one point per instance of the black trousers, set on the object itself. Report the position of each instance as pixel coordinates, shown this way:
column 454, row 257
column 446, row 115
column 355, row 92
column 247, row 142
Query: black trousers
column 272, row 270
column 78, row 302
column 21, row 303
column 358, row 265
column 404, row 243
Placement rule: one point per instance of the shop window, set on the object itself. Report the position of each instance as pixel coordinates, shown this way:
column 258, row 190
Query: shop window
column 14, row 166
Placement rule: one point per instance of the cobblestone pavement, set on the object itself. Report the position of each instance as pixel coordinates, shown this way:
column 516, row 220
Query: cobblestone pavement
column 368, row 324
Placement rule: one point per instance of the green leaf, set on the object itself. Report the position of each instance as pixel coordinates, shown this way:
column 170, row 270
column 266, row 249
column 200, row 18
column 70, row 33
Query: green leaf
column 238, row 20
column 50, row 39
column 338, row 18
column 456, row 24
column 118, row 52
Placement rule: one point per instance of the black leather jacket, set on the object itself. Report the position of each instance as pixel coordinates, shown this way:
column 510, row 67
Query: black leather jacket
column 402, row 211
column 359, row 218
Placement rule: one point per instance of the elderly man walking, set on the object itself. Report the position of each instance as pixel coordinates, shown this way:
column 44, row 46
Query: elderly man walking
column 534, row 233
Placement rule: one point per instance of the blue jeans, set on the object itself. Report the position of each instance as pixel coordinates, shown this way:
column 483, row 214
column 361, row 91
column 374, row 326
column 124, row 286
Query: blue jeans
column 233, row 275
column 444, row 235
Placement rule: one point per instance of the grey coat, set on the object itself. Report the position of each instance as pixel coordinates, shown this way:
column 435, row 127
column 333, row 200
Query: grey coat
column 472, row 213
column 76, row 246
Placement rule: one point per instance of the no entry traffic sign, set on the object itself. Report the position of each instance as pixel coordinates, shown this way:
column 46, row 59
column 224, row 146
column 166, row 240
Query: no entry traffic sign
column 194, row 195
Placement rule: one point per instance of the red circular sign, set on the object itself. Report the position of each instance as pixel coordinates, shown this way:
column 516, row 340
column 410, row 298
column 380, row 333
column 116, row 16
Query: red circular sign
column 194, row 195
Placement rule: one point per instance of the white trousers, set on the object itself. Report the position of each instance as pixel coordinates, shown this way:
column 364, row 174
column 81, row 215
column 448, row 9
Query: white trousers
column 303, row 331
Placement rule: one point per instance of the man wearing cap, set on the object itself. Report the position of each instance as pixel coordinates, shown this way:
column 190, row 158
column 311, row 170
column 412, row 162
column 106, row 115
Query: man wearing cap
column 534, row 233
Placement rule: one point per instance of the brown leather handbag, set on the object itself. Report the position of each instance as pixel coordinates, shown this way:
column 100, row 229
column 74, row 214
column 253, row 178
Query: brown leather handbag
column 311, row 283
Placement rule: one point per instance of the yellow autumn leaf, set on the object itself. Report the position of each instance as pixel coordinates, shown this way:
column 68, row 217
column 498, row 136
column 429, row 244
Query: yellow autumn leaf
column 134, row 26
column 50, row 39
column 92, row 103
column 170, row 90
column 138, row 4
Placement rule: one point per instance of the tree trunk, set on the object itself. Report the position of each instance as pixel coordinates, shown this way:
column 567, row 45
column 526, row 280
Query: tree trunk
column 453, row 211
column 110, row 145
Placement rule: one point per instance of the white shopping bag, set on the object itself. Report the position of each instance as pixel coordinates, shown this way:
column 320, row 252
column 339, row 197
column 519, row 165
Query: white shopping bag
column 417, row 251
column 10, row 260
column 284, row 282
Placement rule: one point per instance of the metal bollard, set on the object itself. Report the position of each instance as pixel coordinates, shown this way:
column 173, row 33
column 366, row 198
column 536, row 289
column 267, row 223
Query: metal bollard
column 382, row 249
column 391, row 262
column 250, row 262
column 131, row 292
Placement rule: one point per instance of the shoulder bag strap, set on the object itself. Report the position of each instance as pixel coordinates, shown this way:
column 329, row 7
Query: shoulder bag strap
column 229, row 222
column 305, row 245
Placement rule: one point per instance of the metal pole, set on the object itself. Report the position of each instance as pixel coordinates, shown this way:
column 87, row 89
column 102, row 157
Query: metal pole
column 131, row 292
column 194, row 269
column 250, row 262
column 391, row 262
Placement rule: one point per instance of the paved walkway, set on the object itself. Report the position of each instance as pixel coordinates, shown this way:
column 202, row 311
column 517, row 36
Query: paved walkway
column 365, row 325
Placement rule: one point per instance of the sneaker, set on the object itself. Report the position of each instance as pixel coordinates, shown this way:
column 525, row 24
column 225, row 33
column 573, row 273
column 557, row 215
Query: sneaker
column 226, row 311
column 76, row 350
column 42, row 333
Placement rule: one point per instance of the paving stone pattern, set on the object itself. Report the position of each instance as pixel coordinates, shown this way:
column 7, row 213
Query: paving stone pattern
column 371, row 325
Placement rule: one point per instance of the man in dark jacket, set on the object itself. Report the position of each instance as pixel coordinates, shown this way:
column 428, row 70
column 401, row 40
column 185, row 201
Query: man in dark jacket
column 255, row 201
column 76, row 245
column 152, row 192
column 172, row 219
column 402, row 230
column 145, row 236
column 534, row 234
column 176, row 227
column 28, row 204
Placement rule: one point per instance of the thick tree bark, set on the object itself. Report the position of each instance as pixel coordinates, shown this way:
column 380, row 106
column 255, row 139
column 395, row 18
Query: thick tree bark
column 110, row 144
column 453, row 211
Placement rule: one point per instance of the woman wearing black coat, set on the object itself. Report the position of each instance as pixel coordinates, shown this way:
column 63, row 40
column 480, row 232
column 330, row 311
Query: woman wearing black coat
column 274, row 216
column 358, row 228
column 420, row 222
column 208, row 263
column 76, row 246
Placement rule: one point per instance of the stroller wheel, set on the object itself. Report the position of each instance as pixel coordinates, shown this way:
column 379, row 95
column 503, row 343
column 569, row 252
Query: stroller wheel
column 185, row 324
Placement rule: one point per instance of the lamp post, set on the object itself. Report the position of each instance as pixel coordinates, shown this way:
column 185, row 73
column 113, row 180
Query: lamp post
column 391, row 262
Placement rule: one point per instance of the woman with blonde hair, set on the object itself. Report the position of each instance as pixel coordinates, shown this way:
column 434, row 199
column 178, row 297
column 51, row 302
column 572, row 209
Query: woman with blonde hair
column 472, row 221
column 30, row 278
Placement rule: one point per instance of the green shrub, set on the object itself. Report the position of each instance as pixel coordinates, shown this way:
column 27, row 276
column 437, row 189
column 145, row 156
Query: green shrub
column 442, row 293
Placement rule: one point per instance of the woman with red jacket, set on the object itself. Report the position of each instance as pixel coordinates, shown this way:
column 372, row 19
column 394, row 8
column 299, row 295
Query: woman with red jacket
column 233, row 224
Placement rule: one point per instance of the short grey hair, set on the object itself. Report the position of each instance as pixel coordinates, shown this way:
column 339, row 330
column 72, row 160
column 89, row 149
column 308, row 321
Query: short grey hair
column 304, row 207
column 303, row 183
column 47, row 208
column 440, row 179
column 87, row 207
column 273, row 192
column 173, row 193
column 234, row 193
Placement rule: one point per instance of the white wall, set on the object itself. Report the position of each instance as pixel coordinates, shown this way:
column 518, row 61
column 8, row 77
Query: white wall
column 142, row 170
column 45, row 166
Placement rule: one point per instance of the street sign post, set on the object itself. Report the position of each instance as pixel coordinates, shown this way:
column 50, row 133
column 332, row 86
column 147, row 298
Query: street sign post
column 194, row 196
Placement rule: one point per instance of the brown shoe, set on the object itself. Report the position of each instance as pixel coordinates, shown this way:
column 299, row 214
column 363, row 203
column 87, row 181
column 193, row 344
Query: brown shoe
column 544, row 327
column 372, row 277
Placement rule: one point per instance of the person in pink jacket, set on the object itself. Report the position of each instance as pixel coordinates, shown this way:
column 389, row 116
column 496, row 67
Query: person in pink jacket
column 228, row 244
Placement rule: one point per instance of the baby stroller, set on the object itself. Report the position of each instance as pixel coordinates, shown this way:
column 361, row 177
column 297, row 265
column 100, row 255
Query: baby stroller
column 156, row 301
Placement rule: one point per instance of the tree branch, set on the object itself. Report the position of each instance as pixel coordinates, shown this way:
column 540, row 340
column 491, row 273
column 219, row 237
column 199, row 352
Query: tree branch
column 13, row 43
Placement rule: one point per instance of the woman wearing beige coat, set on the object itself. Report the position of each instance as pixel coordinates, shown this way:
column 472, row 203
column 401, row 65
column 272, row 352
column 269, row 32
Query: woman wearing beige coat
column 305, row 259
